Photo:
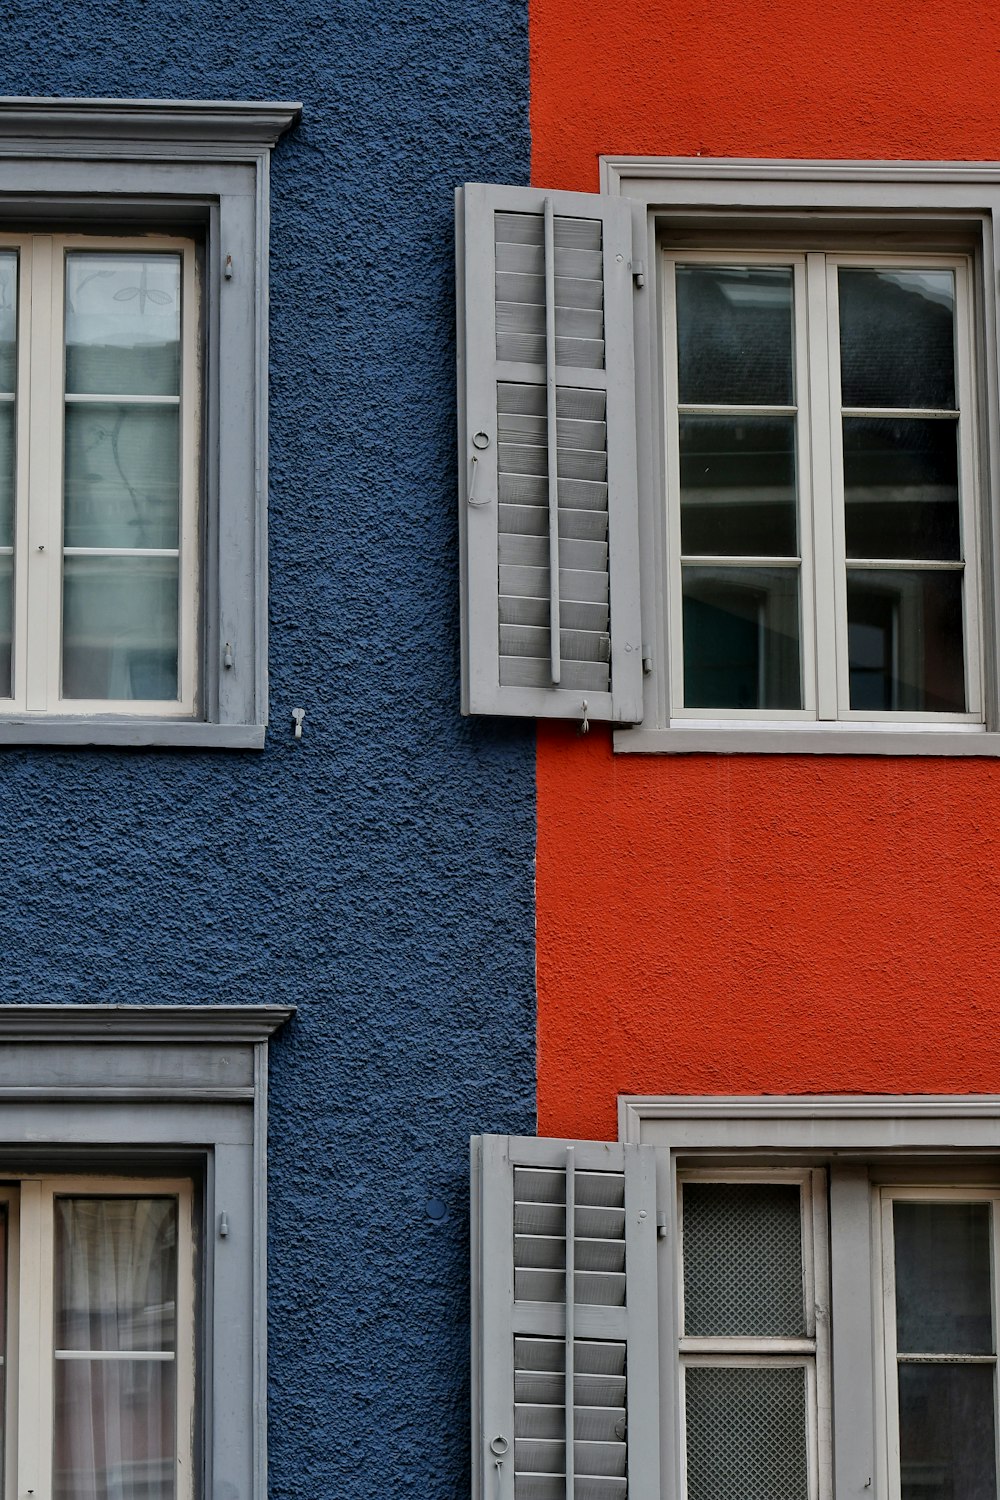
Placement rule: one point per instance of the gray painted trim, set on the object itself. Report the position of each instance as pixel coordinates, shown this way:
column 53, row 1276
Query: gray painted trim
column 732, row 191
column 64, row 123
column 137, row 732
column 805, row 739
column 879, row 1110
column 259, row 1336
column 210, row 158
column 142, row 1024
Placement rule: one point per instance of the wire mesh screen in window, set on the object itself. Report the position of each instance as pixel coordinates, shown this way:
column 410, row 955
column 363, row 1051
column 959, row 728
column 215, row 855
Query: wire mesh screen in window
column 743, row 1260
column 746, row 1433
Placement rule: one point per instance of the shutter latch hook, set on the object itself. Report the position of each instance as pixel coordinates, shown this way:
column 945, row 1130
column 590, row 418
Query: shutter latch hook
column 585, row 723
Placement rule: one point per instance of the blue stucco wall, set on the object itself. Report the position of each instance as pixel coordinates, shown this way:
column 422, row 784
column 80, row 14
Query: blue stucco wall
column 379, row 874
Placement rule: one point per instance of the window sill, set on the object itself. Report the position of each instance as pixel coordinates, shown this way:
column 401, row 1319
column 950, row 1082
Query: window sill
column 775, row 738
column 125, row 732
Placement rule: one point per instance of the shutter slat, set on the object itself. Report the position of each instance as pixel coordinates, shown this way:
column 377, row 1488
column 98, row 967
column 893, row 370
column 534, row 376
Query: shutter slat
column 579, row 585
column 548, row 429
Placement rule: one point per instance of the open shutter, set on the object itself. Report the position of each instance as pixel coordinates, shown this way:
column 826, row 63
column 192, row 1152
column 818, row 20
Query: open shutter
column 547, row 460
column 554, row 1315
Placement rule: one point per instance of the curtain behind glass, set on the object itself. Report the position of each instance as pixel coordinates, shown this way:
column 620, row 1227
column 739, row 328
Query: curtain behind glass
column 115, row 1338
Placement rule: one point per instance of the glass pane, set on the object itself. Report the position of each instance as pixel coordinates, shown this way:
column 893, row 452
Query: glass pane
column 746, row 1433
column 123, row 323
column 116, row 1273
column 904, row 638
column 114, row 1430
column 122, row 480
column 743, row 1260
column 738, row 486
column 6, row 622
column 4, row 1352
column 897, row 338
column 120, row 627
column 734, row 335
column 947, row 1448
column 8, row 322
column 943, row 1290
column 901, row 488
column 741, row 638
column 7, row 463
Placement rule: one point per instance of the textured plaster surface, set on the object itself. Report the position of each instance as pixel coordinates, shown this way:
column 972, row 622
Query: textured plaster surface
column 761, row 924
column 378, row 874
column 751, row 924
column 842, row 78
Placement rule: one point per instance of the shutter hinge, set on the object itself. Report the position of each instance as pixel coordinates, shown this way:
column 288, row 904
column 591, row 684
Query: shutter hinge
column 639, row 272
column 647, row 660
column 661, row 1226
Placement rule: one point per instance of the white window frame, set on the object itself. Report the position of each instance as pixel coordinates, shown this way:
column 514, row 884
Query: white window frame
column 808, row 206
column 811, row 1353
column 176, row 168
column 822, row 559
column 38, row 507
column 30, row 1358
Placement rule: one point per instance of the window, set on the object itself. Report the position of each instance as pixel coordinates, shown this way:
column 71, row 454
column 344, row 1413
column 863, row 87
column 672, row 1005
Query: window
column 99, row 558
column 790, row 1297
column 133, row 391
column 729, row 433
column 133, row 1235
column 823, row 556
column 99, row 1337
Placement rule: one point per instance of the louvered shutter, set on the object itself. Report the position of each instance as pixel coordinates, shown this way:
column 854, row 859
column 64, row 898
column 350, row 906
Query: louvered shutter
column 537, row 1294
column 547, row 460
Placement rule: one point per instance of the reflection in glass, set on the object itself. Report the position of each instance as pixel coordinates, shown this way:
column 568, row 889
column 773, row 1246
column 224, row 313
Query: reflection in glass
column 897, row 338
column 122, row 476
column 116, row 1293
column 746, row 1432
column 947, row 1448
column 741, row 637
column 4, row 1351
column 901, row 488
column 123, row 326
column 905, row 640
column 120, row 635
column 8, row 322
column 943, row 1296
column 738, row 486
column 734, row 335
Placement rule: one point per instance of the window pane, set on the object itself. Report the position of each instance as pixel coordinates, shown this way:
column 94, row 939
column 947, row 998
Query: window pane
column 905, row 640
column 947, row 1445
column 901, row 488
column 8, row 322
column 746, row 1433
column 6, row 622
column 120, row 627
column 122, row 478
column 741, row 638
column 123, row 326
column 742, row 1256
column 897, row 338
column 114, row 1430
column 734, row 335
column 115, row 1294
column 116, row 1273
column 943, row 1284
column 738, row 486
column 4, row 1351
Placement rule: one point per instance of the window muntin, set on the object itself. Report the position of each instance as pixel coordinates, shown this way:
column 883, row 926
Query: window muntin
column 754, row 1373
column 100, row 1360
column 831, row 419
column 939, row 1280
column 101, row 528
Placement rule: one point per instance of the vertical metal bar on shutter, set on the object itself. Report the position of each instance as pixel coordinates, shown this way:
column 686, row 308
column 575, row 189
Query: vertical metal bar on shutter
column 570, row 1318
column 553, row 438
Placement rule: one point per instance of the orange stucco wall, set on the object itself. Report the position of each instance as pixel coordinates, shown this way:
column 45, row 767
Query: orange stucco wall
column 761, row 924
